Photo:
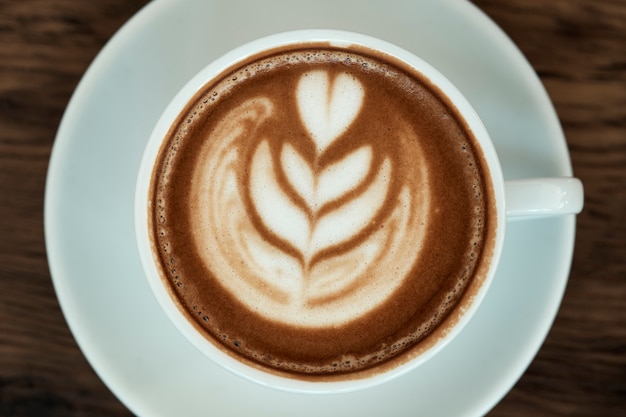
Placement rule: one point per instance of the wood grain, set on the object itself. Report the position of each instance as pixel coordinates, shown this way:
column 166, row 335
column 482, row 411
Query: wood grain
column 578, row 48
column 45, row 47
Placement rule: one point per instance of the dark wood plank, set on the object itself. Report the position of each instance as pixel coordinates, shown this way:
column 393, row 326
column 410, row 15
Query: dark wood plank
column 45, row 47
column 578, row 48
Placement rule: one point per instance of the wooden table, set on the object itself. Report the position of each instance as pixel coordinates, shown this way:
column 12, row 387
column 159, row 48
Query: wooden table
column 578, row 48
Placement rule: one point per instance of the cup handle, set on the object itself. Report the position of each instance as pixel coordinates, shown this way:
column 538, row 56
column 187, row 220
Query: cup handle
column 543, row 197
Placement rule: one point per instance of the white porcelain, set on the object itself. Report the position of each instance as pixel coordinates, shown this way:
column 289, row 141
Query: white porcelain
column 89, row 209
column 534, row 198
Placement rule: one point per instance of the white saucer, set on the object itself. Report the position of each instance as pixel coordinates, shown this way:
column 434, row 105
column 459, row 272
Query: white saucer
column 89, row 216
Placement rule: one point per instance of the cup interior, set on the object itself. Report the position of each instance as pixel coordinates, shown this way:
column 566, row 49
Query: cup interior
column 170, row 114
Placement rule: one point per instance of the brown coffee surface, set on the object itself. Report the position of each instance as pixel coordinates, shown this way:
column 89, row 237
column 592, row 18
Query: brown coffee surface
column 320, row 212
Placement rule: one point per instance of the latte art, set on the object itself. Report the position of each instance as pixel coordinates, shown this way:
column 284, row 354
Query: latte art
column 297, row 240
column 319, row 211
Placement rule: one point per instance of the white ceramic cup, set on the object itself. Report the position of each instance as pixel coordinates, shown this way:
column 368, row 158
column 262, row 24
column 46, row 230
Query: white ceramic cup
column 520, row 199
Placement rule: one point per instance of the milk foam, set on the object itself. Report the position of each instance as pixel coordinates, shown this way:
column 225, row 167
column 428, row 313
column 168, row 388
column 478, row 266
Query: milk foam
column 304, row 276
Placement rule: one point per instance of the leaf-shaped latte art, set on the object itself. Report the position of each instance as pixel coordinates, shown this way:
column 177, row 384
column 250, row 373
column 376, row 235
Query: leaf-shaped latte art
column 315, row 233
column 328, row 107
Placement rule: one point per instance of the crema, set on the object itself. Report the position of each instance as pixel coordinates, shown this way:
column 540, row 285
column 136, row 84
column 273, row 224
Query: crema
column 320, row 211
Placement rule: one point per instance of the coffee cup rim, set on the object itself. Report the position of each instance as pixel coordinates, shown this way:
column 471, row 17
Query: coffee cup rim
column 237, row 55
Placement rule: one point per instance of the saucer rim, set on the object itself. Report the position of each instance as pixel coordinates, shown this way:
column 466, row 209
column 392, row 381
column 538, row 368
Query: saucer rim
column 51, row 229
